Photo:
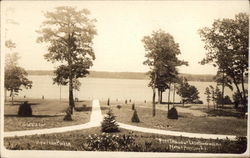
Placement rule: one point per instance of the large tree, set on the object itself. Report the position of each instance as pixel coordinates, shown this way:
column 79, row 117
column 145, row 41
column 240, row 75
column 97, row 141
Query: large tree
column 161, row 53
column 226, row 43
column 15, row 77
column 69, row 34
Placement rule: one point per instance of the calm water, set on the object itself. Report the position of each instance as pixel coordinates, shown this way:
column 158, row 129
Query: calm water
column 101, row 88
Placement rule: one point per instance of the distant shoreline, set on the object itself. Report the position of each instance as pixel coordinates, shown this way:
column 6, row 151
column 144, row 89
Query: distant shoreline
column 126, row 75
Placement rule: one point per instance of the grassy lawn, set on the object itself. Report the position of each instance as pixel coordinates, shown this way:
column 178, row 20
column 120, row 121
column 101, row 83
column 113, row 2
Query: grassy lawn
column 93, row 140
column 187, row 122
column 46, row 114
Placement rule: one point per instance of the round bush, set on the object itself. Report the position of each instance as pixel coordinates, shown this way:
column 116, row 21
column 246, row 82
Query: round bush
column 25, row 110
column 172, row 113
column 119, row 106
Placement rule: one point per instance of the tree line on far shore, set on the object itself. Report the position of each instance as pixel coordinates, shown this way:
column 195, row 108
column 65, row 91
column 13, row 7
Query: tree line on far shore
column 129, row 75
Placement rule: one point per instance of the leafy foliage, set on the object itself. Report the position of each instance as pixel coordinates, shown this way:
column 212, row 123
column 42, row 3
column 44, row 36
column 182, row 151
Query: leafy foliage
column 14, row 76
column 108, row 142
column 109, row 123
column 227, row 47
column 188, row 92
column 69, row 34
column 162, row 60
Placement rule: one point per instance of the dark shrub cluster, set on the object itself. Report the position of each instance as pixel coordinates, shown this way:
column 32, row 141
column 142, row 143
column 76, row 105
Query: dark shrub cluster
column 172, row 113
column 109, row 123
column 25, row 110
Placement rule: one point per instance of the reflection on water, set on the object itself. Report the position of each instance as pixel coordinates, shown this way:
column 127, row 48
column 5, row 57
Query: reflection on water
column 102, row 88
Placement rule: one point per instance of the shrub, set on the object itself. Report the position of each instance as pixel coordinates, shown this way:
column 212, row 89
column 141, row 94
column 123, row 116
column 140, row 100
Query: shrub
column 83, row 108
column 133, row 106
column 25, row 110
column 119, row 106
column 135, row 117
column 227, row 100
column 108, row 142
column 109, row 123
column 172, row 113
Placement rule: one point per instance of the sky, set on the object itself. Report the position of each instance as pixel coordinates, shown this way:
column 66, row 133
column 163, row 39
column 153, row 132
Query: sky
column 120, row 25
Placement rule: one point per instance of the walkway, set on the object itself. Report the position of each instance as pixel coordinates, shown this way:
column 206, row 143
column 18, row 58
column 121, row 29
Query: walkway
column 175, row 133
column 96, row 119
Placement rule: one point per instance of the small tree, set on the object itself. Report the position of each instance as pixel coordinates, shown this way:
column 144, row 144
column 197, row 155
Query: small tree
column 188, row 93
column 135, row 117
column 109, row 123
column 208, row 93
column 212, row 94
column 15, row 76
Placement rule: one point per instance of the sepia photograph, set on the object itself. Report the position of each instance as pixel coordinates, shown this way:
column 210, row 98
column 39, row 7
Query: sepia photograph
column 124, row 78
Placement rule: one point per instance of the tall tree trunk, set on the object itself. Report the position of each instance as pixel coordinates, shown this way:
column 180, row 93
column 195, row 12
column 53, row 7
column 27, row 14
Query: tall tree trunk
column 12, row 97
column 153, row 100
column 169, row 95
column 244, row 92
column 223, row 87
column 237, row 87
column 174, row 94
column 71, row 97
column 159, row 96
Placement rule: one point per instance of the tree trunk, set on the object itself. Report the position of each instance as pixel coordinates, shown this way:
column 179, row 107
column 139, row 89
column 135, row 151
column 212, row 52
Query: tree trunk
column 174, row 95
column 159, row 96
column 223, row 87
column 12, row 97
column 169, row 96
column 237, row 87
column 244, row 92
column 153, row 102
column 71, row 97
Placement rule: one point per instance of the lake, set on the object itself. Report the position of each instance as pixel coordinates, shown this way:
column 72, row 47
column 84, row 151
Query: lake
column 104, row 88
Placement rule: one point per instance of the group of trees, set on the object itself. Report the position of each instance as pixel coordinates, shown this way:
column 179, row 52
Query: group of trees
column 162, row 60
column 227, row 48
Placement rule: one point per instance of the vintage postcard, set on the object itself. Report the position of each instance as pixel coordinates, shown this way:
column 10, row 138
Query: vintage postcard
column 124, row 78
